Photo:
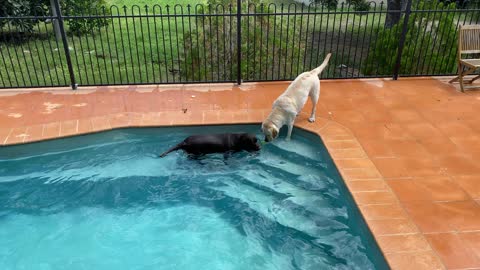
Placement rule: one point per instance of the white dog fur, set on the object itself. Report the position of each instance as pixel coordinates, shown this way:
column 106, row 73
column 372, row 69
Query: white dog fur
column 288, row 105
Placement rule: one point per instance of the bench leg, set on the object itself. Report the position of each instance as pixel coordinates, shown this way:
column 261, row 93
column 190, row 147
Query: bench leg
column 473, row 79
column 460, row 76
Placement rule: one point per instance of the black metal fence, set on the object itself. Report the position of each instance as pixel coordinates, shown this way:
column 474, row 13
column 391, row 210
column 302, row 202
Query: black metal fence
column 228, row 43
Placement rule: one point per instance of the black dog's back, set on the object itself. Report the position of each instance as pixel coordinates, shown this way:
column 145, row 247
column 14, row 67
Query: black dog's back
column 175, row 148
column 216, row 143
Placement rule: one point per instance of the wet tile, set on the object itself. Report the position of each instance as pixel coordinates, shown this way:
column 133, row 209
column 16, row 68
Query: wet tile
column 51, row 130
column 374, row 197
column 405, row 115
column 453, row 251
column 150, row 119
column 355, row 163
column 194, row 117
column 462, row 215
column 177, row 117
column 119, row 120
column 472, row 241
column 469, row 183
column 383, row 211
column 68, row 128
column 240, row 116
column 135, row 119
column 455, row 129
column 422, row 166
column 423, row 130
column 11, row 120
column 17, row 135
column 418, row 260
column 211, row 117
column 368, row 131
column 339, row 137
column 377, row 148
column 85, row 126
column 403, row 243
column 429, row 189
column 391, row 167
column 333, row 129
column 360, row 173
column 35, row 133
column 407, row 190
column 366, row 185
column 318, row 126
column 347, row 153
column 459, row 165
column 430, row 217
column 256, row 116
column 407, row 148
column 347, row 116
column 392, row 226
column 439, row 146
column 468, row 145
column 347, row 144
column 377, row 114
column 441, row 189
column 100, row 123
column 4, row 132
column 396, row 132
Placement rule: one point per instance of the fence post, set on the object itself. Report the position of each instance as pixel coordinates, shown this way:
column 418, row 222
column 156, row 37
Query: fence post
column 56, row 28
column 239, row 42
column 401, row 43
column 65, row 44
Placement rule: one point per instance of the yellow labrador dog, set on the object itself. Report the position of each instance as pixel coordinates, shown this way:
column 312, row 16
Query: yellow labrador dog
column 291, row 102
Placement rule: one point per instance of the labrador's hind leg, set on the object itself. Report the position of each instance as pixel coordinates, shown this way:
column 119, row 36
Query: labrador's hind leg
column 314, row 95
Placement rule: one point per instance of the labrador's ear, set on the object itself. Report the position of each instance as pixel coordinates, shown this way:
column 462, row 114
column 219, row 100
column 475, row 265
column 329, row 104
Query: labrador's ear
column 274, row 133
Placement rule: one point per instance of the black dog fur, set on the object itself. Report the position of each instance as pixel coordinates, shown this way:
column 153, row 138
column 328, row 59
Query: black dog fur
column 198, row 145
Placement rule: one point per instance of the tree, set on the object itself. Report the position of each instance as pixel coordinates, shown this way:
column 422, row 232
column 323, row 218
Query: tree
column 394, row 17
column 80, row 26
column 15, row 8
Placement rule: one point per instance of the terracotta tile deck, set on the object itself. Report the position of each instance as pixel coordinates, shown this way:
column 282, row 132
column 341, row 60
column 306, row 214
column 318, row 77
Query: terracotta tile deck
column 408, row 150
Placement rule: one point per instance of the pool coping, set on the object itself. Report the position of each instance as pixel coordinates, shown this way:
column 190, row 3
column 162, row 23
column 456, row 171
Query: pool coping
column 367, row 186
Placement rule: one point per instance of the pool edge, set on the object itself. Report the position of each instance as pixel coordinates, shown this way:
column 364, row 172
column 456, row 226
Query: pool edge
column 376, row 206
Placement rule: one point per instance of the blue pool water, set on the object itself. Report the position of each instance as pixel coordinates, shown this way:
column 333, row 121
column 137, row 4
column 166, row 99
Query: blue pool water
column 104, row 201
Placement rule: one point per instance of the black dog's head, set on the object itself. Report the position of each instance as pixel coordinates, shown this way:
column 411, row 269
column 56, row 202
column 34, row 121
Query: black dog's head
column 249, row 142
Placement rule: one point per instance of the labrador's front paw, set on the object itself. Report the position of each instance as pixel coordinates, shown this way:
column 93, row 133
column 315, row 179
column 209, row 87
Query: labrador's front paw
column 311, row 119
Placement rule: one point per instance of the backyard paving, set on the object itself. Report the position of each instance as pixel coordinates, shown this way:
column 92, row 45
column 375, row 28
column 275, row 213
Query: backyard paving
column 408, row 150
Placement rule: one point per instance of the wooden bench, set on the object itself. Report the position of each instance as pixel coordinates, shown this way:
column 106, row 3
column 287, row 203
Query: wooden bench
column 468, row 43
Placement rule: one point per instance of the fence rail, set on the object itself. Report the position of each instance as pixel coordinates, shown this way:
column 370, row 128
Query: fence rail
column 66, row 46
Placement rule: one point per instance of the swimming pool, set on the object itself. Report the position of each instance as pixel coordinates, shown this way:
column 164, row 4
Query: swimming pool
column 104, row 201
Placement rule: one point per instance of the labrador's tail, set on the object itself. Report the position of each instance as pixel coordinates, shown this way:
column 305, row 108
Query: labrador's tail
column 319, row 69
column 175, row 148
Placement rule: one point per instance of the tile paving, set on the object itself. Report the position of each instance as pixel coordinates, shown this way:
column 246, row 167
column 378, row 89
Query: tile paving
column 408, row 150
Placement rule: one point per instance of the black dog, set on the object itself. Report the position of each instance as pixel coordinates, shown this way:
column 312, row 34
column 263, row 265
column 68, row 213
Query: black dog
column 198, row 145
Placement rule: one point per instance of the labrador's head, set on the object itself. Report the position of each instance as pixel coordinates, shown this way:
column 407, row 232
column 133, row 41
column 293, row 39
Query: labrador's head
column 270, row 131
column 249, row 142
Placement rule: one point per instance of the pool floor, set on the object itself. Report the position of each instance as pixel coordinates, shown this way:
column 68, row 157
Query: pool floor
column 105, row 201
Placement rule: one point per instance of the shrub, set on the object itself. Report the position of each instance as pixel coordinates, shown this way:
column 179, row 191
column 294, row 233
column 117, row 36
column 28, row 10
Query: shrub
column 80, row 26
column 359, row 5
column 329, row 4
column 12, row 8
column 214, row 44
column 431, row 42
